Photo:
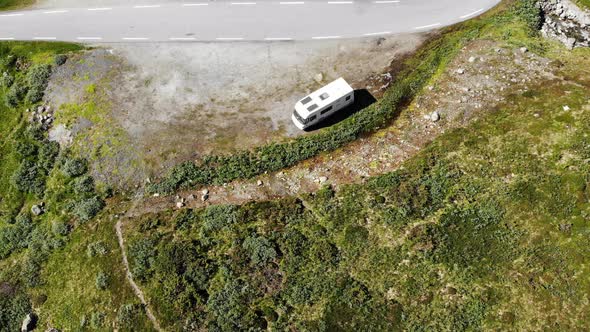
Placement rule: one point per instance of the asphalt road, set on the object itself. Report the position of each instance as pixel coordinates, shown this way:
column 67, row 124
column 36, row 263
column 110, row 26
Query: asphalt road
column 244, row 20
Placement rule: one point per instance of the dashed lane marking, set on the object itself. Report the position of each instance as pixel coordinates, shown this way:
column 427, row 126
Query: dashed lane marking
column 377, row 33
column 100, row 9
column 277, row 38
column 472, row 14
column 6, row 38
column 427, row 26
column 11, row 15
column 146, row 6
column 55, row 12
column 326, row 37
column 182, row 38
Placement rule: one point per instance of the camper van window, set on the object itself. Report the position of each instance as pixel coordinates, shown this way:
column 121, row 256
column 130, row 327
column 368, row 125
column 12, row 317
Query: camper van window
column 327, row 110
column 324, row 96
column 298, row 117
column 312, row 107
column 347, row 98
column 310, row 119
column 306, row 100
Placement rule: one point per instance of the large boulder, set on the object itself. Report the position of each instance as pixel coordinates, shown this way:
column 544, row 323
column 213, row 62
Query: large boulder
column 566, row 22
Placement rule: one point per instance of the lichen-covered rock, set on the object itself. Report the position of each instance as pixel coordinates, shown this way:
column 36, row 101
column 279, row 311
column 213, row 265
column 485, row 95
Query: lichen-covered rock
column 566, row 22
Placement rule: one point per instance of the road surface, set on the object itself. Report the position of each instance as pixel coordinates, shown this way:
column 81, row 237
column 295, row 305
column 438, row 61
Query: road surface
column 239, row 20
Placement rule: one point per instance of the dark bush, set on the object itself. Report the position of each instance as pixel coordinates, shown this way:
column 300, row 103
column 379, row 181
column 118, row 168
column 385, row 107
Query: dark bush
column 47, row 155
column 25, row 149
column 29, row 178
column 15, row 94
column 97, row 320
column 59, row 227
column 6, row 80
column 530, row 12
column 13, row 308
column 98, row 248
column 259, row 249
column 128, row 314
column 88, row 208
column 102, row 280
column 60, row 59
column 142, row 254
column 37, row 78
column 84, row 185
column 75, row 167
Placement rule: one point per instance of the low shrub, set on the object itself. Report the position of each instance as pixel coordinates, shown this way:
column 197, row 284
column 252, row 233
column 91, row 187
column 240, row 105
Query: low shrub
column 84, row 185
column 88, row 208
column 29, row 178
column 15, row 94
column 98, row 248
column 60, row 59
column 142, row 255
column 259, row 249
column 37, row 79
column 75, row 167
column 102, row 280
column 128, row 314
column 6, row 80
column 59, row 227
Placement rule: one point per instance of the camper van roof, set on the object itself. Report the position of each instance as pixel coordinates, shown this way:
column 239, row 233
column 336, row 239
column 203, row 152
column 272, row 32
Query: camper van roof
column 323, row 97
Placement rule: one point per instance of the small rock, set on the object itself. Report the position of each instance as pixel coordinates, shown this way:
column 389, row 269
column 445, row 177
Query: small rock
column 29, row 323
column 472, row 59
column 156, row 195
column 566, row 108
column 537, row 115
column 36, row 210
column 566, row 228
column 204, row 197
column 179, row 204
column 430, row 88
column 322, row 179
column 190, row 197
column 460, row 71
column 318, row 77
column 434, row 116
column 40, row 109
column 524, row 50
column 205, row 191
column 259, row 183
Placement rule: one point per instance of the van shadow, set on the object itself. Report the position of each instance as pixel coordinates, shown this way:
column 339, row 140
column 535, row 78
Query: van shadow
column 362, row 100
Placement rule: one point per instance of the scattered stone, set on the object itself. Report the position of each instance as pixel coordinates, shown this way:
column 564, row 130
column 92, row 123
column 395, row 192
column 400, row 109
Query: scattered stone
column 566, row 228
column 205, row 191
column 204, row 197
column 434, row 116
column 190, row 197
column 156, row 195
column 524, row 50
column 460, row 71
column 179, row 204
column 472, row 59
column 322, row 179
column 566, row 108
column 259, row 183
column 29, row 323
column 537, row 115
column 36, row 210
column 318, row 77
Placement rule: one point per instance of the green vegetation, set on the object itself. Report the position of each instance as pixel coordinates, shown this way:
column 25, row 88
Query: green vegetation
column 583, row 3
column 15, row 4
column 486, row 229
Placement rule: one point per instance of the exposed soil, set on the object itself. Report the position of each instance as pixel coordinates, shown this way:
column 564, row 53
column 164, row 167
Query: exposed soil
column 177, row 102
column 477, row 80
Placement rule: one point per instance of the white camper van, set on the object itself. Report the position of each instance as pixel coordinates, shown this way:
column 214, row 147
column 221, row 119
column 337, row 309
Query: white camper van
column 322, row 103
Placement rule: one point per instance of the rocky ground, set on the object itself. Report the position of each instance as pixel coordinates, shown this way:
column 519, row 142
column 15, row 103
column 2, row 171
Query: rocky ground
column 478, row 80
column 566, row 22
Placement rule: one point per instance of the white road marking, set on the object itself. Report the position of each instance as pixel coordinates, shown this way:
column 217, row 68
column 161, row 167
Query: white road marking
column 472, row 14
column 99, row 9
column 6, row 38
column 10, row 15
column 194, row 4
column 292, row 3
column 135, row 38
column 147, row 6
column 377, row 33
column 340, row 2
column 387, row 1
column 243, row 3
column 326, row 37
column 182, row 38
column 55, row 12
column 229, row 38
column 277, row 39
column 89, row 38
column 44, row 38
column 427, row 26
